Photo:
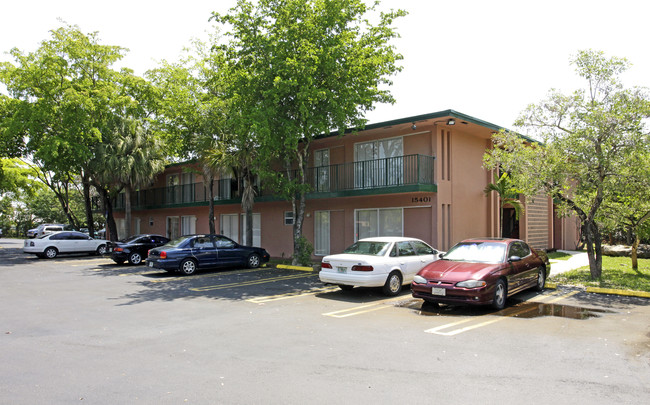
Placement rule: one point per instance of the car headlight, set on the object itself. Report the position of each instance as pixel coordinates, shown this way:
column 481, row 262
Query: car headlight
column 419, row 279
column 471, row 284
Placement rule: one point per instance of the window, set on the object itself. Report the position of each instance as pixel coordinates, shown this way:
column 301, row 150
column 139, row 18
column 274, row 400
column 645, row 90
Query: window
column 321, row 233
column 188, row 187
column 322, row 170
column 224, row 243
column 405, row 249
column 288, row 217
column 188, row 225
column 378, row 163
column 173, row 189
column 378, row 222
column 423, row 248
column 202, row 243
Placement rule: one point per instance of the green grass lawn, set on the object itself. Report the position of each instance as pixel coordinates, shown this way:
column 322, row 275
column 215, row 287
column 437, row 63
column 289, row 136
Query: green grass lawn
column 617, row 273
column 559, row 256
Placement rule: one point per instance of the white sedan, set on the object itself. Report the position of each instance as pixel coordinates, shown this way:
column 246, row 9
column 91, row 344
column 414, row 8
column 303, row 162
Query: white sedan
column 51, row 245
column 387, row 262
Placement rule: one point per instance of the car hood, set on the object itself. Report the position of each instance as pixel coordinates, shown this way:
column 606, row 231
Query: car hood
column 452, row 271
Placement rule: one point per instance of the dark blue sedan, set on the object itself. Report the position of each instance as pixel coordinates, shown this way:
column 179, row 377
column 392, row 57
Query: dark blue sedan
column 190, row 253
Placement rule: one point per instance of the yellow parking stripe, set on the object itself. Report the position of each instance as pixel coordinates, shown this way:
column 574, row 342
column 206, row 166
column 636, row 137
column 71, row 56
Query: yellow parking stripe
column 439, row 329
column 251, row 282
column 270, row 298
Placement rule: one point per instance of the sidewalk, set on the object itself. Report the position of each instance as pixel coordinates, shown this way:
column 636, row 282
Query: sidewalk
column 577, row 260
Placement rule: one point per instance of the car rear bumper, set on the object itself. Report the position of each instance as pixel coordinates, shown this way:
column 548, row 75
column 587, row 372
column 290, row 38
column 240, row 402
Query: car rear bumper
column 359, row 280
column 162, row 264
column 119, row 256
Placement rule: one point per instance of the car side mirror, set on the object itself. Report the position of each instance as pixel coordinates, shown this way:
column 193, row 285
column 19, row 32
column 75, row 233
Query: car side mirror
column 441, row 255
column 514, row 259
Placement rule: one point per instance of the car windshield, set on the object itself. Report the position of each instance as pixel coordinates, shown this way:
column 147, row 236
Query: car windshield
column 481, row 252
column 368, row 248
column 130, row 239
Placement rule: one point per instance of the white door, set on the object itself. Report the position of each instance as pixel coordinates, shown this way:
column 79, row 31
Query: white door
column 230, row 226
column 173, row 227
column 321, row 233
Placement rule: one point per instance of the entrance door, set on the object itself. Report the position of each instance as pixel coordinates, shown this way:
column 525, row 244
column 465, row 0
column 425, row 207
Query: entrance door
column 230, row 226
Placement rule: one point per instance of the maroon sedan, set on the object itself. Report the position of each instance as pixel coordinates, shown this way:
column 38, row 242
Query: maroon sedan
column 482, row 271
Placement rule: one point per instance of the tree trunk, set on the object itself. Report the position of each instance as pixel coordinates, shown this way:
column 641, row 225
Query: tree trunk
column 594, row 249
column 111, row 229
column 88, row 205
column 635, row 247
column 127, row 210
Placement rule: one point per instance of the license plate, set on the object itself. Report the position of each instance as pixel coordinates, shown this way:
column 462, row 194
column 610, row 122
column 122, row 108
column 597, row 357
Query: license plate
column 342, row 269
column 438, row 291
column 150, row 264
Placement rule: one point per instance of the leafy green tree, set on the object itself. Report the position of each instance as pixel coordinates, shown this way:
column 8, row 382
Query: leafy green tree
column 297, row 69
column 629, row 206
column 590, row 139
column 191, row 113
column 61, row 96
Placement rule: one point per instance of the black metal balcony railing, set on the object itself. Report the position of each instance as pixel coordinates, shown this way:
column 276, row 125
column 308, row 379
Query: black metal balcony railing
column 371, row 174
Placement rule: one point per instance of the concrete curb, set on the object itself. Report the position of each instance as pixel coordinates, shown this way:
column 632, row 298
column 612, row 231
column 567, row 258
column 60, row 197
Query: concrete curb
column 599, row 290
column 301, row 268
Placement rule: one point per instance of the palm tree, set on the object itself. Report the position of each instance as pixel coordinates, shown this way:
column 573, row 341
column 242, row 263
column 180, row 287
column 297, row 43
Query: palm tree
column 507, row 195
column 136, row 160
column 238, row 157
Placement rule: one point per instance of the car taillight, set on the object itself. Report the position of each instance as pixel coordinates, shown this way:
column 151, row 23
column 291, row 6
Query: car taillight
column 362, row 268
column 163, row 255
column 325, row 265
column 118, row 249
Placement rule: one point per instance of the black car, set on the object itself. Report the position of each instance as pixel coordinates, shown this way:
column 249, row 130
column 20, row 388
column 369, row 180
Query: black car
column 190, row 253
column 135, row 248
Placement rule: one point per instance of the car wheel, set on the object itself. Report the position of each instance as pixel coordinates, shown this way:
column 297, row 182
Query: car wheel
column 101, row 250
column 254, row 261
column 500, row 295
column 346, row 287
column 51, row 252
column 135, row 258
column 393, row 284
column 541, row 278
column 188, row 267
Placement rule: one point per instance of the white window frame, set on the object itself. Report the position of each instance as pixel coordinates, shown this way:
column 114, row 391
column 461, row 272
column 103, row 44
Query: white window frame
column 288, row 218
column 378, row 219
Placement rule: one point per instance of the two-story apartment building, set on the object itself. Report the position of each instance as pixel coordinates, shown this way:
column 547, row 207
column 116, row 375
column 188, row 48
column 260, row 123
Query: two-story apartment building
column 419, row 176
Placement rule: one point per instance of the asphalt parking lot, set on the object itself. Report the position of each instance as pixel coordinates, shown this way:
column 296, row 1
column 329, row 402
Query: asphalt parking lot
column 84, row 329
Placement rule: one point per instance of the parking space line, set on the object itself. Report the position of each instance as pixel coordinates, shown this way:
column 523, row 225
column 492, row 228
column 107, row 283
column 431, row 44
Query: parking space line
column 270, row 298
column 439, row 330
column 251, row 282
column 358, row 310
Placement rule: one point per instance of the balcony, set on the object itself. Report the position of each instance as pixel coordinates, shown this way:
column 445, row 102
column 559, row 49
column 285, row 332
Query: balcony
column 410, row 173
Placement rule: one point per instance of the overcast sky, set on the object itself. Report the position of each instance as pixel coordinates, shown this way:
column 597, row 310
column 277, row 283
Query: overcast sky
column 487, row 59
